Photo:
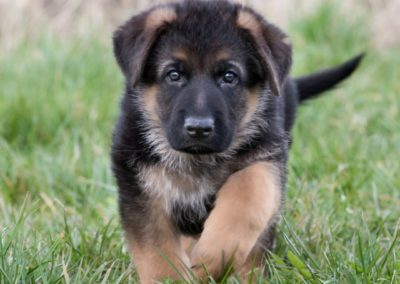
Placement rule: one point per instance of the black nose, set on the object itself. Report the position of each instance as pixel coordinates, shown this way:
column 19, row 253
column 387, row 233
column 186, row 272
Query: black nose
column 199, row 127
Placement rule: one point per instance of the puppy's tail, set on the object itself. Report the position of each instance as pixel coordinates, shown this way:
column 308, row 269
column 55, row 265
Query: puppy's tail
column 312, row 85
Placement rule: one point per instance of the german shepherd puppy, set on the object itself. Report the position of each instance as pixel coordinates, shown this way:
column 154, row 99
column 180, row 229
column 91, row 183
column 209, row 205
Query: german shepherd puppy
column 201, row 144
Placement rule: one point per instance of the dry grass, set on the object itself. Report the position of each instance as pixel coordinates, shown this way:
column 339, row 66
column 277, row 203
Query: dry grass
column 26, row 20
column 386, row 25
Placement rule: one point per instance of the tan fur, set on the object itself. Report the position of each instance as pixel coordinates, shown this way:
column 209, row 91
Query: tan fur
column 169, row 187
column 181, row 54
column 254, row 265
column 222, row 55
column 252, row 102
column 158, row 17
column 150, row 101
column 286, row 40
column 245, row 205
column 160, row 256
column 247, row 21
column 188, row 244
column 189, row 57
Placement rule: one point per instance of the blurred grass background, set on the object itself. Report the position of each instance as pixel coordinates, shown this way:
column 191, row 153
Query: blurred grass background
column 59, row 94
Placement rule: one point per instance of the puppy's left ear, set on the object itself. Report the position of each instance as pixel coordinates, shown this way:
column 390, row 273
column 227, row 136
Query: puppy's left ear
column 272, row 44
column 134, row 40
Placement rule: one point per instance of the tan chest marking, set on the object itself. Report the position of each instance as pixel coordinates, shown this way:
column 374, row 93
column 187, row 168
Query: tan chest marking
column 173, row 188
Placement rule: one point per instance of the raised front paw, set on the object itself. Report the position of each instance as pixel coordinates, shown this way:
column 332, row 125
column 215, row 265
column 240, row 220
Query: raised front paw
column 217, row 256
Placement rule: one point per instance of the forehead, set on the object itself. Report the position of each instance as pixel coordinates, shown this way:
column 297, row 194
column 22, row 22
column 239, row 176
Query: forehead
column 201, row 56
column 204, row 34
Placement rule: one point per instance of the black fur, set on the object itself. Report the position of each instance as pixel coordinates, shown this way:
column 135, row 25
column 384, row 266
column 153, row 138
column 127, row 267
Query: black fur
column 197, row 130
column 312, row 85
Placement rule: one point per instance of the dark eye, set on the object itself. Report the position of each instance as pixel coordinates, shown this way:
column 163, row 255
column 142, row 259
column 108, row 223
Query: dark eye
column 229, row 77
column 174, row 75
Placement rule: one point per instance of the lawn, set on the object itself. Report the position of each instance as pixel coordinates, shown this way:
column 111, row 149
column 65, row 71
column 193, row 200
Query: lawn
column 58, row 212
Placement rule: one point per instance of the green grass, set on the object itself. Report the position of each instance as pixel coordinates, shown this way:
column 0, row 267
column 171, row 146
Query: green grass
column 58, row 211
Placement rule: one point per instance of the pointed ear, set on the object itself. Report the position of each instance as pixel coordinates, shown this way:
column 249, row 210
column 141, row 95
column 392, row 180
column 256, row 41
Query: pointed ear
column 133, row 40
column 272, row 45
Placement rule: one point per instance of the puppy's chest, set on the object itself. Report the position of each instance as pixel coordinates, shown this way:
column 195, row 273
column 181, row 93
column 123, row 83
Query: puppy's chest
column 186, row 197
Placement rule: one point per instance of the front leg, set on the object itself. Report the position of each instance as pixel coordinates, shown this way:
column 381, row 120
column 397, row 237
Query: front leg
column 246, row 204
column 155, row 248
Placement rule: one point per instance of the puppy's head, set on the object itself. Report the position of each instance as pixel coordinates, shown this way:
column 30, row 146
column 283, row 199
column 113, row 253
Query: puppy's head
column 202, row 69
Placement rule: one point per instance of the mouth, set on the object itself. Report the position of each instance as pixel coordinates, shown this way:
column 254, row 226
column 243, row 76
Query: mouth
column 198, row 150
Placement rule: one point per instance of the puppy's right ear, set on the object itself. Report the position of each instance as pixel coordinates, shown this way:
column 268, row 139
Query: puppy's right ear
column 272, row 45
column 133, row 40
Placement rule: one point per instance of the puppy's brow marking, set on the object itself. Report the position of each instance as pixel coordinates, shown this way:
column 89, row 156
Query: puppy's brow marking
column 223, row 55
column 180, row 55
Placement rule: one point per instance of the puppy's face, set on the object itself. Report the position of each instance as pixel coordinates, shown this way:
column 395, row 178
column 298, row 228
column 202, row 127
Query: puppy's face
column 203, row 85
column 202, row 68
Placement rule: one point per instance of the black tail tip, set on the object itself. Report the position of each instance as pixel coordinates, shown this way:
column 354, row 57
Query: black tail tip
column 314, row 84
column 353, row 63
